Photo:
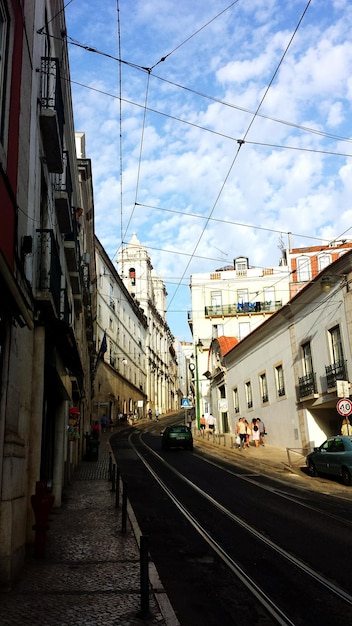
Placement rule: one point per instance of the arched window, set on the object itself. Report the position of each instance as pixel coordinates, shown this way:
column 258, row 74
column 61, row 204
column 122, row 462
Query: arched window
column 132, row 275
column 323, row 261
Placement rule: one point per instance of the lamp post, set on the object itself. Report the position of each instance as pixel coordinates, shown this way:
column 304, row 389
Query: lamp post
column 198, row 346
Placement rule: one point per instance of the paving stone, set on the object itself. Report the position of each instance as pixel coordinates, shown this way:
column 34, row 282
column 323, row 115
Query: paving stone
column 91, row 571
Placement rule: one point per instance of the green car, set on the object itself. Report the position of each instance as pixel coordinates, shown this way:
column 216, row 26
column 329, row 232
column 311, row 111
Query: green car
column 177, row 436
column 333, row 457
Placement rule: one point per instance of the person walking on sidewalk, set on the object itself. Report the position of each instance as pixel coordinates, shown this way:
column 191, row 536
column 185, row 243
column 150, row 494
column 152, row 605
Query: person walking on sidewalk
column 255, row 432
column 157, row 415
column 241, row 432
column 248, row 434
column 211, row 423
column 261, row 431
column 203, row 423
column 95, row 430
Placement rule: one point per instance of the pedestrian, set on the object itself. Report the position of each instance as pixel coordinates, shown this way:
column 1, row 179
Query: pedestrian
column 262, row 432
column 211, row 423
column 150, row 414
column 156, row 415
column 95, row 430
column 255, row 432
column 346, row 428
column 104, row 423
column 248, row 434
column 241, row 431
column 203, row 423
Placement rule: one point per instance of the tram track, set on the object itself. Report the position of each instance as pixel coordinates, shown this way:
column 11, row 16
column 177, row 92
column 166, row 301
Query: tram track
column 289, row 562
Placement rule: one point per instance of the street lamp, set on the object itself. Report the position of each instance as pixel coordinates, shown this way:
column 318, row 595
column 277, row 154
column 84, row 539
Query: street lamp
column 198, row 347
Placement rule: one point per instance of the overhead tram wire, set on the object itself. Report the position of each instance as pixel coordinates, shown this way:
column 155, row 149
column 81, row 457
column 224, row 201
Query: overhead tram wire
column 194, row 34
column 305, row 129
column 149, row 70
column 230, row 222
column 120, row 117
column 242, row 141
column 214, row 132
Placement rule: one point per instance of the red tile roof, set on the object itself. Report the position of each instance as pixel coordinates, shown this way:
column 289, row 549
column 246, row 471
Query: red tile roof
column 226, row 344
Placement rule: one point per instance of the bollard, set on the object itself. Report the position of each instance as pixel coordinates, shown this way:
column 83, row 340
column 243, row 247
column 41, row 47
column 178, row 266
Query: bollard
column 117, row 490
column 113, row 477
column 41, row 502
column 110, row 466
column 144, row 613
column 124, row 507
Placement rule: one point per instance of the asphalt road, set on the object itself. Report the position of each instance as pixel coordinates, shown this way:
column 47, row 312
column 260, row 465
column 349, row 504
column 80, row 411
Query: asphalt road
column 265, row 529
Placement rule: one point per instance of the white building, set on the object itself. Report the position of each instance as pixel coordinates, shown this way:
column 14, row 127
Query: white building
column 291, row 370
column 142, row 282
column 231, row 301
column 120, row 381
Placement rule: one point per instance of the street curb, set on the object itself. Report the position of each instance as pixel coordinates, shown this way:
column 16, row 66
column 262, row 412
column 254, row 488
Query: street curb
column 158, row 590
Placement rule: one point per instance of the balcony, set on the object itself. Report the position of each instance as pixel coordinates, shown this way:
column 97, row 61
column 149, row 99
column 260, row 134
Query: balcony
column 62, row 184
column 49, row 273
column 242, row 308
column 334, row 372
column 307, row 385
column 51, row 115
column 73, row 259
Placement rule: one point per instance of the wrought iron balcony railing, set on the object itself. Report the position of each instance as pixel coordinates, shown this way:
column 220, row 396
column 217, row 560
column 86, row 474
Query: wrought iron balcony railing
column 334, row 372
column 307, row 385
column 62, row 184
column 49, row 269
column 242, row 308
column 52, row 113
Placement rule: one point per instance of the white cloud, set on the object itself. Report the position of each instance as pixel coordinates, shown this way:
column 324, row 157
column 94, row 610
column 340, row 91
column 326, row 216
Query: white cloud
column 268, row 187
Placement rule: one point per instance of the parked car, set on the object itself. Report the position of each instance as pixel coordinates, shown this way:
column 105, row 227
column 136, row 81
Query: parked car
column 177, row 436
column 333, row 457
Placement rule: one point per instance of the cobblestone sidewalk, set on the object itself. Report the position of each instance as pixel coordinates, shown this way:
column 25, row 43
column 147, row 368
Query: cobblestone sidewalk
column 91, row 572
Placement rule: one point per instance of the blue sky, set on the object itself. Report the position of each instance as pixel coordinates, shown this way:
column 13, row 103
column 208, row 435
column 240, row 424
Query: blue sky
column 195, row 79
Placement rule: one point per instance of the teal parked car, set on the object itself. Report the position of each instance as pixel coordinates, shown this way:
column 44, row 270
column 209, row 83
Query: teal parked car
column 333, row 457
column 177, row 436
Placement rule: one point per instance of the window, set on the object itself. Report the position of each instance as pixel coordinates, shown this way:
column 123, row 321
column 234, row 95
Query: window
column 269, row 298
column 336, row 344
column 241, row 265
column 323, row 261
column 216, row 302
column 307, row 359
column 303, row 269
column 249, row 399
column 242, row 301
column 280, row 383
column 111, row 296
column 222, row 391
column 236, row 403
column 132, row 275
column 263, row 384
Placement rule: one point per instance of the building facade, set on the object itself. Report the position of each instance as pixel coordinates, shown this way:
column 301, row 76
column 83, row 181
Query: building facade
column 306, row 263
column 292, row 369
column 231, row 301
column 119, row 383
column 44, row 348
column 145, row 286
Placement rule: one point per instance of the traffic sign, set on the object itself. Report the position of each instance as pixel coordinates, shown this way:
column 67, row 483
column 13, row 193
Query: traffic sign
column 344, row 406
column 186, row 403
